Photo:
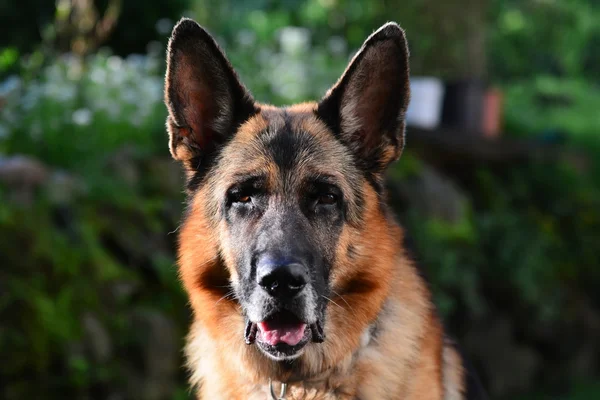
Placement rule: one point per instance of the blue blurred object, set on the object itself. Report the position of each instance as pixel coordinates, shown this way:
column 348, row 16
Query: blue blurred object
column 553, row 136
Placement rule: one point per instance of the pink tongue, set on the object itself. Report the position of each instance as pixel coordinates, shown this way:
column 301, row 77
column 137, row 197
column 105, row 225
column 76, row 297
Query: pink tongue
column 289, row 334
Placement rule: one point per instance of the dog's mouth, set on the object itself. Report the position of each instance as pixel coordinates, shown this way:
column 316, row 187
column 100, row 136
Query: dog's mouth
column 283, row 335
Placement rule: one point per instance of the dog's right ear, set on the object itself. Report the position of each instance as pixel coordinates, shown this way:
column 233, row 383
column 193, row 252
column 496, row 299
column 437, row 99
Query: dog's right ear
column 205, row 99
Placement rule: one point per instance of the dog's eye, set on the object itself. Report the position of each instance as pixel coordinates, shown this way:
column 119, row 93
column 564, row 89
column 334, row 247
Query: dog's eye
column 241, row 198
column 327, row 199
column 246, row 192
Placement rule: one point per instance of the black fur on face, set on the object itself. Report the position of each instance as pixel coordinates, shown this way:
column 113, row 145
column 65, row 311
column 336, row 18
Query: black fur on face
column 280, row 185
column 288, row 211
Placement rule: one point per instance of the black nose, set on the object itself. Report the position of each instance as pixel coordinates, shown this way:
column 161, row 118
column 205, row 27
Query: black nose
column 281, row 279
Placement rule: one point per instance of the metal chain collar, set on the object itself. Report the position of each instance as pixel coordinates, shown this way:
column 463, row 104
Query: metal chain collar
column 281, row 393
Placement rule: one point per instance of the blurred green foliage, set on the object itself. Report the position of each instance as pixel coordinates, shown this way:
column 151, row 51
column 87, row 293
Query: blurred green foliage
column 528, row 234
column 536, row 245
column 52, row 277
column 74, row 112
column 545, row 102
column 23, row 23
column 532, row 37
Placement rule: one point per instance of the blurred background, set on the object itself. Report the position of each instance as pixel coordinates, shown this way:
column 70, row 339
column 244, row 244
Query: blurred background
column 499, row 187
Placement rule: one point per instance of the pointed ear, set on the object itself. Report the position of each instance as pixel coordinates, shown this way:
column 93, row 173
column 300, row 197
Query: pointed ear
column 203, row 94
column 366, row 107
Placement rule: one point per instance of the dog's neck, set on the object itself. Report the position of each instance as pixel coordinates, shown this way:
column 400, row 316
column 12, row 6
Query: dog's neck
column 297, row 377
column 326, row 384
column 330, row 383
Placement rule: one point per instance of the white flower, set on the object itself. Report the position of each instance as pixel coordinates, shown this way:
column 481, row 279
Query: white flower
column 32, row 96
column 114, row 63
column 11, row 84
column 288, row 78
column 294, row 40
column 54, row 73
column 152, row 90
column 135, row 61
column 129, row 96
column 60, row 92
column 98, row 75
column 82, row 116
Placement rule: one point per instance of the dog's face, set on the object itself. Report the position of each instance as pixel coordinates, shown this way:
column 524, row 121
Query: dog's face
column 278, row 192
column 283, row 210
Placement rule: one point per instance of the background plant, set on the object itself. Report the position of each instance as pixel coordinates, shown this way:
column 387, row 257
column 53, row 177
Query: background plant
column 87, row 271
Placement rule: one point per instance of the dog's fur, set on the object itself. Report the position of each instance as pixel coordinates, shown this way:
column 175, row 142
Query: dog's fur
column 383, row 337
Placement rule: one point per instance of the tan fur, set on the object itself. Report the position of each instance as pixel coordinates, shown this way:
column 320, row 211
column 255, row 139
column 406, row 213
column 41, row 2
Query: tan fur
column 384, row 339
column 405, row 357
column 454, row 374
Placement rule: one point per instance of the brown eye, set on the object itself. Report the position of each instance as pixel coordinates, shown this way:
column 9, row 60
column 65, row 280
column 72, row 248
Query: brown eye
column 327, row 199
column 243, row 199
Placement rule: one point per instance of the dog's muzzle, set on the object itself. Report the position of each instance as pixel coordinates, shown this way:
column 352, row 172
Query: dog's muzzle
column 284, row 326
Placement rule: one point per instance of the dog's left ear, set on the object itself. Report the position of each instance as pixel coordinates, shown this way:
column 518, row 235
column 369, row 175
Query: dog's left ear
column 366, row 107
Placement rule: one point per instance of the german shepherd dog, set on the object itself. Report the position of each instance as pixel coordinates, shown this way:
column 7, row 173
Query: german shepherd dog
column 294, row 266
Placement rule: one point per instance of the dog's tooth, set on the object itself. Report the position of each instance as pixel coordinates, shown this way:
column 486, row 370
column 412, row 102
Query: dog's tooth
column 250, row 334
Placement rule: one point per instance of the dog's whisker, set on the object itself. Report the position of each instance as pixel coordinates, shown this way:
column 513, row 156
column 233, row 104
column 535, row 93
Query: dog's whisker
column 341, row 297
column 175, row 230
column 208, row 261
column 345, row 301
column 325, row 297
column 227, row 295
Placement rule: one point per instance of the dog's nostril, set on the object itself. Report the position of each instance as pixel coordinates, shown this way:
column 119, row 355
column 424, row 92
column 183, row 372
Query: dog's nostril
column 269, row 283
column 281, row 280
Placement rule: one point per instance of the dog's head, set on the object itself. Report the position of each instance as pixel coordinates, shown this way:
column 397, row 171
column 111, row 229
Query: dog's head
column 280, row 198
